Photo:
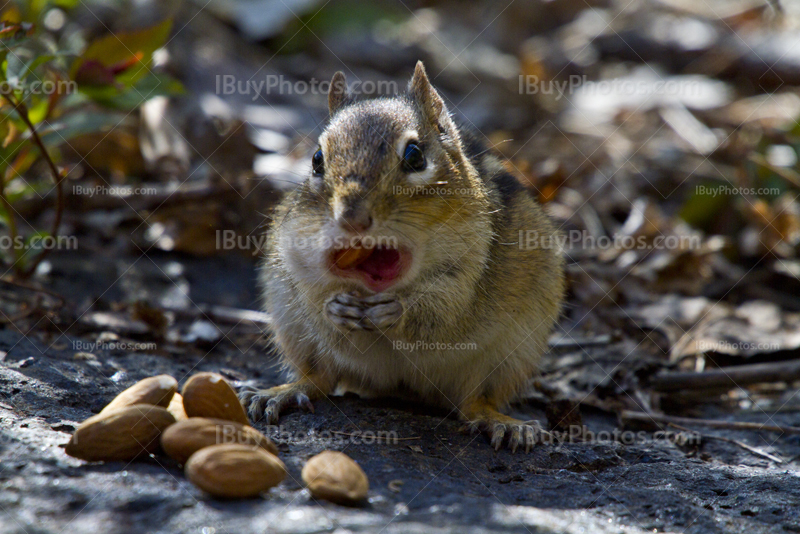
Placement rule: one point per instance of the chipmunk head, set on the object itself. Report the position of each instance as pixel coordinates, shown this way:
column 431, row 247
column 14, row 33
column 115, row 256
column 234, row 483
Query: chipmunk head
column 390, row 190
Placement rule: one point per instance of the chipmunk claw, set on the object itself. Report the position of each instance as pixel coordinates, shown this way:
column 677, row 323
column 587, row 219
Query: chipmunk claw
column 498, row 433
column 267, row 404
column 502, row 429
column 245, row 393
column 526, row 434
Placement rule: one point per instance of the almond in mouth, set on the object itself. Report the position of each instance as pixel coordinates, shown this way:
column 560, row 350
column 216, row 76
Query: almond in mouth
column 351, row 257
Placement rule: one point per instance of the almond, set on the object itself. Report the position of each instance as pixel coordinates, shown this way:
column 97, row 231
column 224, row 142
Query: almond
column 122, row 434
column 176, row 408
column 335, row 477
column 351, row 257
column 231, row 470
column 210, row 395
column 184, row 438
column 156, row 390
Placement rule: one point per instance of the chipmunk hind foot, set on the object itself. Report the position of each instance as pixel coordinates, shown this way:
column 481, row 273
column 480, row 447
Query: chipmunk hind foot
column 481, row 415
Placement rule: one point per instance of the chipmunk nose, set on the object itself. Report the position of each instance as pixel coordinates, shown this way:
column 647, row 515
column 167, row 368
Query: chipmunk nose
column 355, row 219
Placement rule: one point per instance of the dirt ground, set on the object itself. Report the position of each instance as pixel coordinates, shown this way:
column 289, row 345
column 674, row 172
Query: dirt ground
column 426, row 474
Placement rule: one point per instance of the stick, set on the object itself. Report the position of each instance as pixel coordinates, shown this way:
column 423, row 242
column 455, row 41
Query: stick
column 222, row 314
column 711, row 423
column 745, row 446
column 728, row 376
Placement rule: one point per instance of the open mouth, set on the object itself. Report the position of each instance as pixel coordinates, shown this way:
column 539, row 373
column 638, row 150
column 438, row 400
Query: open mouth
column 378, row 267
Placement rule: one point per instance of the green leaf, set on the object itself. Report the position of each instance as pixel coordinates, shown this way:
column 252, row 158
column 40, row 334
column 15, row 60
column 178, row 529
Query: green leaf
column 14, row 34
column 38, row 110
column 148, row 87
column 37, row 62
column 66, row 4
column 707, row 201
column 127, row 54
column 3, row 64
column 3, row 216
column 19, row 188
column 78, row 123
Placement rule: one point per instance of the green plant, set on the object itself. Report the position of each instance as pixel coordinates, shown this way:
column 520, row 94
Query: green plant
column 54, row 88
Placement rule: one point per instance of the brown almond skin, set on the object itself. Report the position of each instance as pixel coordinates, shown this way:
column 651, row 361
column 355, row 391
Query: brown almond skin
column 335, row 477
column 210, row 395
column 184, row 438
column 122, row 434
column 176, row 408
column 234, row 471
column 156, row 390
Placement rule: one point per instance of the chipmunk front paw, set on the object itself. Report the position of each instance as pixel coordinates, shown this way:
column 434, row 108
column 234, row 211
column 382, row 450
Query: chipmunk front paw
column 350, row 311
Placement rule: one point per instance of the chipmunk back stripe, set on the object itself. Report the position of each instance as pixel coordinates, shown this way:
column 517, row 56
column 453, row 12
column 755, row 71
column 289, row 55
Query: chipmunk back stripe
column 490, row 168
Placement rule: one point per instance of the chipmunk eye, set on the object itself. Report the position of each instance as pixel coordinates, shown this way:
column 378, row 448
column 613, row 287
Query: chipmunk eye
column 413, row 158
column 318, row 163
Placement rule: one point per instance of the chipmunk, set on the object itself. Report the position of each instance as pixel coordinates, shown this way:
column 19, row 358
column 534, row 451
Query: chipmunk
column 396, row 268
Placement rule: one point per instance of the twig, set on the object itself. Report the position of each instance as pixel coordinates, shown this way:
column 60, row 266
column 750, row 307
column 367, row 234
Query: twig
column 567, row 341
column 358, row 434
column 728, row 376
column 27, row 287
column 223, row 314
column 22, row 111
column 12, row 320
column 745, row 446
column 711, row 423
column 786, row 173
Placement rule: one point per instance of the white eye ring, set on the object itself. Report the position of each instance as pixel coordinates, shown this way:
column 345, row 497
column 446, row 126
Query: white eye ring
column 402, row 142
column 423, row 177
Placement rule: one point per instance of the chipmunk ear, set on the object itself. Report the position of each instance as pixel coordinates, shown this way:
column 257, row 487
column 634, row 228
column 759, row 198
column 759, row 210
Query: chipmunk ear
column 427, row 98
column 338, row 95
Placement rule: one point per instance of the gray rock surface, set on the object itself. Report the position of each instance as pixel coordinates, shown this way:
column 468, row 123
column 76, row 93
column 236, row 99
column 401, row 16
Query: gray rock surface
column 433, row 478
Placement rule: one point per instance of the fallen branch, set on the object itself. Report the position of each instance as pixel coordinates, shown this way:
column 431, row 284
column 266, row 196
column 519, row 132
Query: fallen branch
column 728, row 376
column 628, row 415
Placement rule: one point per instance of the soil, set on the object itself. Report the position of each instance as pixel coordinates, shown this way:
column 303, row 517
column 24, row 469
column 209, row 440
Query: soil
column 426, row 473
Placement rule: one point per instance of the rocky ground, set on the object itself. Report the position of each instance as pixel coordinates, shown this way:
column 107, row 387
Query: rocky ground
column 426, row 475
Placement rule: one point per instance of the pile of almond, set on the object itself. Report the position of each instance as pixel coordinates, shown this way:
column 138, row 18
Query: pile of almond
column 204, row 428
